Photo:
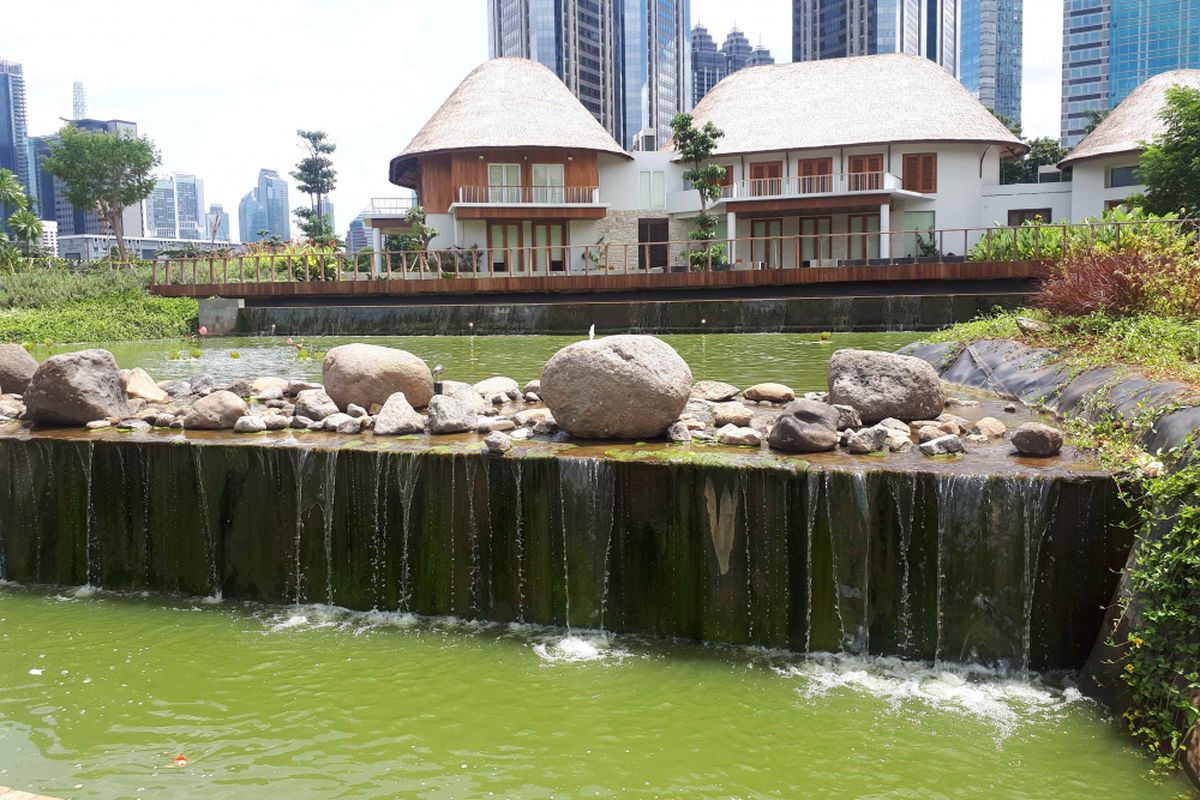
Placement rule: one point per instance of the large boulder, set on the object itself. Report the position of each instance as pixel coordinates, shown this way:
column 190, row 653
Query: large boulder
column 218, row 411
column 880, row 385
column 1036, row 439
column 16, row 368
column 368, row 374
column 398, row 418
column 618, row 387
column 451, row 415
column 76, row 388
column 805, row 426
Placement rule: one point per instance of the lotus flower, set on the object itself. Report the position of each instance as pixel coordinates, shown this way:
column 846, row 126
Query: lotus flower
column 203, row 331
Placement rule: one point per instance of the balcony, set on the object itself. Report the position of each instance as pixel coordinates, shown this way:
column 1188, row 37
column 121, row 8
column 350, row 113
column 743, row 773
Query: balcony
column 528, row 195
column 812, row 186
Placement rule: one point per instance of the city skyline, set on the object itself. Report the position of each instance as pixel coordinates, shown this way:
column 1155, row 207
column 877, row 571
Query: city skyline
column 228, row 135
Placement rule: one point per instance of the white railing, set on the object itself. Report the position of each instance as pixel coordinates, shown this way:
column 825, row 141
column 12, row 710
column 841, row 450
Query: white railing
column 802, row 185
column 529, row 195
column 388, row 206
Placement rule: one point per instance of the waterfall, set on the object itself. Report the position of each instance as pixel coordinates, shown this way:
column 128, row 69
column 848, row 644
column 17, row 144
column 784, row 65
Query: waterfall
column 328, row 493
column 519, row 526
column 903, row 488
column 406, row 483
column 379, row 508
column 586, row 521
column 214, row 580
column 91, row 547
column 812, row 496
column 299, row 460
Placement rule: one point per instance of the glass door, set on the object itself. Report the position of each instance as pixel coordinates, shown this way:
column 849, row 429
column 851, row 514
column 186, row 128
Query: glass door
column 816, row 241
column 549, row 183
column 504, row 183
column 548, row 252
column 864, row 236
column 505, row 239
column 765, row 242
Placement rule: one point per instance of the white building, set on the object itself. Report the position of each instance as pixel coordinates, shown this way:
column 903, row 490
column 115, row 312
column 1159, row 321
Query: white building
column 49, row 240
column 92, row 248
column 175, row 209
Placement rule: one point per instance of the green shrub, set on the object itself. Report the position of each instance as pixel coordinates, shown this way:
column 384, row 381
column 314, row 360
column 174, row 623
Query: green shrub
column 1118, row 230
column 129, row 315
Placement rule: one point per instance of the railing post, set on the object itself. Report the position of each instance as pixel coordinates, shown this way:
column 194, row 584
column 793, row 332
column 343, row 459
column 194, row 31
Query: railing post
column 212, row 277
column 387, row 263
column 154, row 272
column 225, row 269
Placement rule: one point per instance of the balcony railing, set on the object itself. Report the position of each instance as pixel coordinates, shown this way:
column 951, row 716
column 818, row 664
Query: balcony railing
column 388, row 206
column 803, row 185
column 529, row 195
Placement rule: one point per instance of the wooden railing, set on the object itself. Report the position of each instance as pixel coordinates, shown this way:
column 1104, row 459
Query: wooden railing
column 783, row 252
column 529, row 195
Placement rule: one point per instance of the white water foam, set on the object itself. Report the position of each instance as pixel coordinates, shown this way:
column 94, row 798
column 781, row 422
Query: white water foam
column 317, row 617
column 577, row 649
column 982, row 694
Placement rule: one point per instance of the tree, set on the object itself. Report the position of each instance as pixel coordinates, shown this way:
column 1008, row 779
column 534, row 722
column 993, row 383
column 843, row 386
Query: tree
column 26, row 228
column 1043, row 152
column 1170, row 166
column 104, row 172
column 316, row 177
column 1095, row 117
column 418, row 236
column 696, row 147
column 12, row 195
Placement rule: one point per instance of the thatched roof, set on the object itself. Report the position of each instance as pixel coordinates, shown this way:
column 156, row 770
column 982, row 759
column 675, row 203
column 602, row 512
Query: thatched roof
column 505, row 102
column 847, row 101
column 1135, row 120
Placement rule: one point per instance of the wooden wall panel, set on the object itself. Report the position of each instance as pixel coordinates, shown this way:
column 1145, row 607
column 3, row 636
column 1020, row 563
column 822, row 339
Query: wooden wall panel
column 436, row 191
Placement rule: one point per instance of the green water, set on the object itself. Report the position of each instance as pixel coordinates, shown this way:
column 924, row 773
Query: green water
column 100, row 693
column 798, row 360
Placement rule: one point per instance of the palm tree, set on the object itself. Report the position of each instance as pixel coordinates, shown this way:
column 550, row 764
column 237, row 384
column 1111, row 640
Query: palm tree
column 11, row 191
column 26, row 228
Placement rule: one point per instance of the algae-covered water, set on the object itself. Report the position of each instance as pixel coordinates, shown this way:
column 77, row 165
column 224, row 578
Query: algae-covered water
column 101, row 693
column 798, row 360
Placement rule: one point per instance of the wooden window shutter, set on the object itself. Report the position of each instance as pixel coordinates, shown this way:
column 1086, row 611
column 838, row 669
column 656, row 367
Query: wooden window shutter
column 920, row 172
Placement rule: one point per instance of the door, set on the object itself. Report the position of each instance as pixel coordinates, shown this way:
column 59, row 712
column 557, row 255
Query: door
column 548, row 252
column 505, row 239
column 864, row 236
column 920, row 238
column 816, row 175
column 766, row 178
column 549, row 182
column 504, row 183
column 866, row 173
column 766, row 242
column 816, row 241
column 652, row 243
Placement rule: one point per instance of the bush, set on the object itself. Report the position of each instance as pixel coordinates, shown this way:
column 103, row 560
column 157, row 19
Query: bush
column 1119, row 229
column 1145, row 278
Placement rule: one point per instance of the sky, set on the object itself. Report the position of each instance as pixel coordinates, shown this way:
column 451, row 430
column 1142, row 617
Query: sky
column 221, row 88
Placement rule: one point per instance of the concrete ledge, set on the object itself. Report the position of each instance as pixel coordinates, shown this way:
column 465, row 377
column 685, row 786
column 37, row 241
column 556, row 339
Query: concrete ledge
column 17, row 794
column 219, row 315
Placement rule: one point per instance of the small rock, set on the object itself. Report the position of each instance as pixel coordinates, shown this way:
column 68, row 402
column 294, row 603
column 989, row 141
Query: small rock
column 1036, row 439
column 133, row 425
column 499, row 385
column 715, row 391
column 930, row 432
column 531, row 397
column 847, row 416
column 301, row 422
column 16, row 367
column 958, row 402
column 239, row 387
column 273, row 394
column 521, row 433
column 315, row 404
column 546, row 427
column 534, row 386
column 276, row 404
column 732, row 413
column 867, row 440
column 679, row 432
column 276, row 422
column 203, row 384
column 216, row 411
column 989, row 427
column 296, row 387
column 532, row 416
column 398, row 417
column 692, row 424
column 138, row 383
column 896, row 425
column 451, row 415
column 356, row 411
column 739, row 437
column 1010, row 408
column 176, row 424
column 374, row 409
column 899, row 442
column 261, row 386
column 498, row 399
column 1027, row 326
column 976, row 438
column 11, row 409
column 176, row 388
column 805, row 427
column 489, row 424
column 770, row 392
column 959, row 423
column 817, row 397
column 162, row 420
column 343, row 423
column 317, row 425
column 249, row 424
column 943, row 445
column 497, row 443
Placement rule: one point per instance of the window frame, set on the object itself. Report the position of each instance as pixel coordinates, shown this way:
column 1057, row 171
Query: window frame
column 924, row 178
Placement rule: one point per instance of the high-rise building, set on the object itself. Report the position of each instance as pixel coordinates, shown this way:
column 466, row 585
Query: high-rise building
column 216, row 223
column 175, row 209
column 710, row 64
column 52, row 203
column 78, row 101
column 626, row 60
column 838, row 28
column 327, row 212
column 1112, row 46
column 357, row 238
column 14, row 150
column 990, row 56
column 265, row 208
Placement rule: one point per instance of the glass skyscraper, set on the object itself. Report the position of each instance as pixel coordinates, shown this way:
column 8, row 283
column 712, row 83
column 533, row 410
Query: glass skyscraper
column 265, row 208
column 710, row 64
column 1112, row 46
column 839, row 28
column 990, row 54
column 175, row 209
column 626, row 60
column 14, row 149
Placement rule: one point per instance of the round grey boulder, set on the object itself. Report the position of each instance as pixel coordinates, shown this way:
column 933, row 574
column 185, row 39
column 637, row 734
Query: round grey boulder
column 1036, row 439
column 218, row 411
column 805, row 426
column 617, row 387
column 16, row 368
column 366, row 374
column 398, row 418
column 881, row 385
column 76, row 388
column 715, row 391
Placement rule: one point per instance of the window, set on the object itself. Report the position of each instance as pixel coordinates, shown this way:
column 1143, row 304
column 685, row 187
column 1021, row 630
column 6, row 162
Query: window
column 920, row 238
column 504, row 183
column 1116, row 177
column 816, row 243
column 816, row 175
column 548, row 253
column 652, row 189
column 864, row 236
column 920, row 172
column 766, row 244
column 548, row 183
column 505, row 239
column 1019, row 216
column 866, row 173
column 765, row 178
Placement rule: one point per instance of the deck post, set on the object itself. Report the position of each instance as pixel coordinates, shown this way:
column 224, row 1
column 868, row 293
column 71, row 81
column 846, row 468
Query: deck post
column 885, row 230
column 377, row 244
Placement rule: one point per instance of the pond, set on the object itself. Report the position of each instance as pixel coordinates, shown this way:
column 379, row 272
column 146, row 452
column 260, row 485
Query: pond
column 797, row 360
column 103, row 692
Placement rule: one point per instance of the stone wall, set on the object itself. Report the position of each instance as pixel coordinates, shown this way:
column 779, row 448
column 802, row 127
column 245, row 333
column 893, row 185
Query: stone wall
column 619, row 227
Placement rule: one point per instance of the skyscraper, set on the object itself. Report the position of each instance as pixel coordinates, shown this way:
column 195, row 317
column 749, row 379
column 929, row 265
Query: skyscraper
column 175, row 209
column 357, row 238
column 52, row 203
column 990, row 57
column 710, row 65
column 1112, row 46
column 218, row 218
column 838, row 28
column 265, row 208
column 14, row 152
column 626, row 60
column 78, row 101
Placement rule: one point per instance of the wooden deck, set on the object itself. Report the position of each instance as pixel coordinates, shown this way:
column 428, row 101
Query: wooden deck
column 17, row 794
column 576, row 283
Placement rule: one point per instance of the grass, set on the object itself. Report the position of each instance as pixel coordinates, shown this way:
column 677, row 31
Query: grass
column 87, row 306
column 1164, row 348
